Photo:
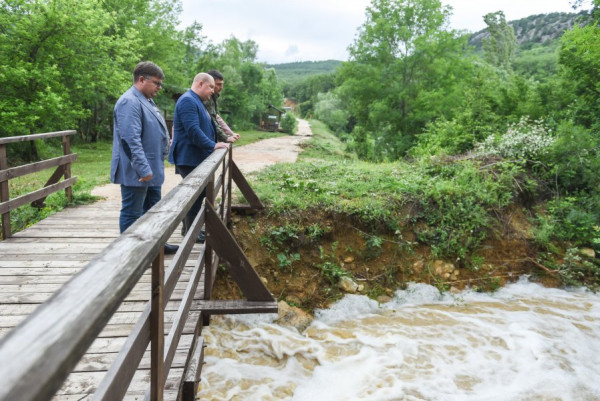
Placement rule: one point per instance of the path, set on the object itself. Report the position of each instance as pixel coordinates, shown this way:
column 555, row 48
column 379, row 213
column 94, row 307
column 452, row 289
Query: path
column 249, row 158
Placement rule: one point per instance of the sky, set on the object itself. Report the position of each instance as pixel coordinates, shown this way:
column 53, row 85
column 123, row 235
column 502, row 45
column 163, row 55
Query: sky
column 311, row 30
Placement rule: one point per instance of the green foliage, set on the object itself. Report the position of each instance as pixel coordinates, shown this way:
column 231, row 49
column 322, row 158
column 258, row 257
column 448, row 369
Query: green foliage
column 525, row 140
column 305, row 91
column 373, row 245
column 501, row 44
column 580, row 58
column 293, row 73
column 452, row 203
column 286, row 261
column 329, row 266
column 405, row 70
column 289, row 123
column 329, row 110
column 64, row 63
column 55, row 62
column 577, row 271
column 574, row 160
column 571, row 219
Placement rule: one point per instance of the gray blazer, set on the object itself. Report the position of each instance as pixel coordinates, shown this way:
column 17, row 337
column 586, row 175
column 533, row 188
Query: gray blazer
column 140, row 141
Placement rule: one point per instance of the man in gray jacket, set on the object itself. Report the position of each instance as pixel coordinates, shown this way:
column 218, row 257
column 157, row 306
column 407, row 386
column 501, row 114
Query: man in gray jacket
column 140, row 146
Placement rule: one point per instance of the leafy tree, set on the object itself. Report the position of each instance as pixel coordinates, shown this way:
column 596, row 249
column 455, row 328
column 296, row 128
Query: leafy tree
column 579, row 58
column 501, row 45
column 405, row 70
column 249, row 86
column 329, row 110
column 56, row 60
column 305, row 91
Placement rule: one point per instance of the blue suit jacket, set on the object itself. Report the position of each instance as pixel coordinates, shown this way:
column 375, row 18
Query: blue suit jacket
column 194, row 132
column 140, row 141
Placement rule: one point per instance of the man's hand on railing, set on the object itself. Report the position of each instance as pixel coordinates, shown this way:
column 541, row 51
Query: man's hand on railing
column 221, row 145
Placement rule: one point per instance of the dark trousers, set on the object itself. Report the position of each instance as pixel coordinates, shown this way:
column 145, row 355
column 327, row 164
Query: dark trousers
column 184, row 171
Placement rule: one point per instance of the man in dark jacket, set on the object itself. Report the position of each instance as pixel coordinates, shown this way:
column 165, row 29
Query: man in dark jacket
column 194, row 136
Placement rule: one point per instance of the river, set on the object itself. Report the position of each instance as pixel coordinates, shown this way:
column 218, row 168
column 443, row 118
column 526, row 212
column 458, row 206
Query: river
column 524, row 342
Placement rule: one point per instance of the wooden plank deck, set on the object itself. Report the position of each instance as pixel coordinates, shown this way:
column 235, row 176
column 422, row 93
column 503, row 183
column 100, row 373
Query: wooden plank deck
column 36, row 262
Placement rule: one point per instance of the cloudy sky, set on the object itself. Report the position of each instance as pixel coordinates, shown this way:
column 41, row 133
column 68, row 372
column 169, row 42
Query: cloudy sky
column 310, row 30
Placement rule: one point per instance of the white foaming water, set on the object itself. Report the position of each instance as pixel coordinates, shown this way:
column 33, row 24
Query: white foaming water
column 524, row 342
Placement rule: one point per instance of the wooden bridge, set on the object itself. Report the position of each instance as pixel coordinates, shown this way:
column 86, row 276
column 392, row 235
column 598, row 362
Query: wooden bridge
column 86, row 313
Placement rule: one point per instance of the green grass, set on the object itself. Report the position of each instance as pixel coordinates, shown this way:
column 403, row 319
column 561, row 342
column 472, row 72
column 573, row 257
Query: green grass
column 92, row 169
column 451, row 203
column 247, row 137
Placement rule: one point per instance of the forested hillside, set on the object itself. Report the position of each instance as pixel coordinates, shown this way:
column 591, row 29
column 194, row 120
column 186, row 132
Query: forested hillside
column 537, row 29
column 289, row 73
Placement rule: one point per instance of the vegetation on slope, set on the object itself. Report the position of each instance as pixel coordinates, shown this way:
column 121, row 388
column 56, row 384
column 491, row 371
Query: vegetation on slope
column 476, row 220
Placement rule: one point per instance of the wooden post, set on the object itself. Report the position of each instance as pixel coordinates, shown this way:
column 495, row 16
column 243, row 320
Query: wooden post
column 208, row 253
column 224, row 186
column 157, row 330
column 66, row 143
column 4, row 194
column 229, row 186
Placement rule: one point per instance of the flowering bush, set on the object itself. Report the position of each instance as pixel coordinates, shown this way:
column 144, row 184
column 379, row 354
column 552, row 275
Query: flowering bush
column 526, row 140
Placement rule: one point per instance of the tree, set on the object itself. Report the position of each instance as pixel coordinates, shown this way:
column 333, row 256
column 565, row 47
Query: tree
column 405, row 70
column 579, row 58
column 249, row 86
column 55, row 61
column 500, row 46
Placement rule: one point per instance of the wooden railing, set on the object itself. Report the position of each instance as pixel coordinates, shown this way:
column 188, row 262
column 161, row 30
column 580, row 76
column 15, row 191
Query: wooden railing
column 36, row 198
column 38, row 355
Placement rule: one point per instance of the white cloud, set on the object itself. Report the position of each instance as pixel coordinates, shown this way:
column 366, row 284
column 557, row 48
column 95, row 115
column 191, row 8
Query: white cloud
column 299, row 30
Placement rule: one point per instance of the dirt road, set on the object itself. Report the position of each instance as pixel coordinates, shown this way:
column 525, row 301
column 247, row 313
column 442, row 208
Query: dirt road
column 249, row 158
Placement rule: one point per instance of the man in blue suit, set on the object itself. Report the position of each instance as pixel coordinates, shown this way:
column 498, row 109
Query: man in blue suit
column 194, row 137
column 140, row 146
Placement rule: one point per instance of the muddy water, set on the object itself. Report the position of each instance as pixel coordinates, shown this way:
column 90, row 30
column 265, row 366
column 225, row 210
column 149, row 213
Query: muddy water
column 524, row 342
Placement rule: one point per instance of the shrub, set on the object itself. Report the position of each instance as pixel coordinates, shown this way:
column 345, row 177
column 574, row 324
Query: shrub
column 525, row 140
column 289, row 123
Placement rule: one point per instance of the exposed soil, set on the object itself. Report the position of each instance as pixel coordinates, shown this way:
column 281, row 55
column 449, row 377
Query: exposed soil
column 377, row 270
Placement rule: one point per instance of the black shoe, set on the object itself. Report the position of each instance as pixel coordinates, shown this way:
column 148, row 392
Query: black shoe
column 171, row 249
column 201, row 237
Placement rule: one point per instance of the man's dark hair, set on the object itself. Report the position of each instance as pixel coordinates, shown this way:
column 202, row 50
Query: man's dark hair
column 215, row 74
column 147, row 69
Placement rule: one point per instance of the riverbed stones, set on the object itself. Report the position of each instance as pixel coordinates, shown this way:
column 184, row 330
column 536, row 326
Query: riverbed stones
column 291, row 316
column 384, row 299
column 346, row 284
column 443, row 269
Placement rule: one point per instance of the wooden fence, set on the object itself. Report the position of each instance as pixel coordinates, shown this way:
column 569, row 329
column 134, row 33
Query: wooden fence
column 38, row 355
column 36, row 198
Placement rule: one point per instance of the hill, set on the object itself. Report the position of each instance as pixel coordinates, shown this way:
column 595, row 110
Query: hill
column 293, row 72
column 537, row 29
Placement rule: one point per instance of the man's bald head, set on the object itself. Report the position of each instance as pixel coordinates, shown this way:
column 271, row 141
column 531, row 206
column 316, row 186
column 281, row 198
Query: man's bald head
column 203, row 85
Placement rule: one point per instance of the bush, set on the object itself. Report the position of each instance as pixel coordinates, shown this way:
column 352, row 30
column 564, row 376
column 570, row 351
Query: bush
column 328, row 109
column 289, row 123
column 525, row 140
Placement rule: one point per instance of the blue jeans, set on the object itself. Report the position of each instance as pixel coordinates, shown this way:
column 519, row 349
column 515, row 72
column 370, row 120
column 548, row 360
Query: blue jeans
column 135, row 201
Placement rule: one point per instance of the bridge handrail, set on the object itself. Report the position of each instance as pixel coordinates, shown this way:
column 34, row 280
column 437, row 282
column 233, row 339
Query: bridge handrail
column 38, row 355
column 63, row 168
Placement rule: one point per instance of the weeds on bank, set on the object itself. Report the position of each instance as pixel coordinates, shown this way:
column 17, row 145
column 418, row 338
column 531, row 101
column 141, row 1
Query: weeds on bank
column 329, row 266
column 452, row 203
